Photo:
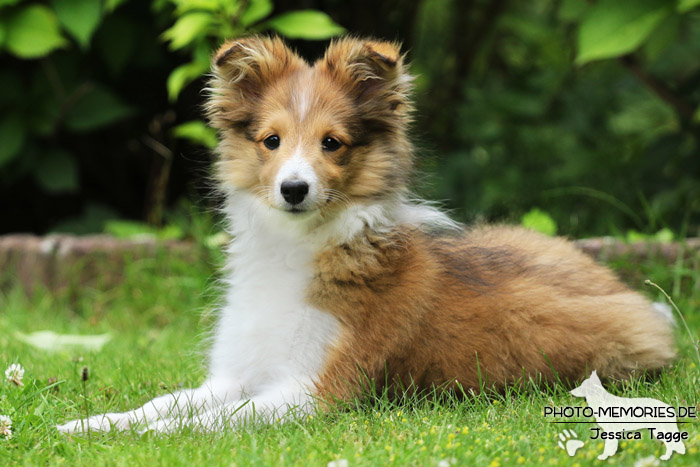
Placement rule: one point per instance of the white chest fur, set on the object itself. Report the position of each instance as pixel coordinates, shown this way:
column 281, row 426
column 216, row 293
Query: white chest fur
column 266, row 330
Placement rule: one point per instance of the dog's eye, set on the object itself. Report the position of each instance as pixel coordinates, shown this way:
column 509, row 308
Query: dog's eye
column 272, row 142
column 330, row 144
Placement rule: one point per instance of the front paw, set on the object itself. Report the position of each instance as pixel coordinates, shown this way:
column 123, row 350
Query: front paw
column 104, row 422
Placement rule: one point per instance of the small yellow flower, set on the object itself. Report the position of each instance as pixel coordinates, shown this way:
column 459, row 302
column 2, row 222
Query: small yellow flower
column 465, row 430
column 521, row 460
column 423, row 448
column 495, row 463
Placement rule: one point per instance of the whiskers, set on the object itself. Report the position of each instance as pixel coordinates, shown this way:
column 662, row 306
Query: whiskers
column 329, row 194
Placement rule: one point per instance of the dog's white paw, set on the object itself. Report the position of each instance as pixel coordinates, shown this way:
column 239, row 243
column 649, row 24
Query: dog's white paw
column 104, row 422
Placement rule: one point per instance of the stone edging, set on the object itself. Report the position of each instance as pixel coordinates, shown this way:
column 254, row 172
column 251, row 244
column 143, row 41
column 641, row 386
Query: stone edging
column 57, row 261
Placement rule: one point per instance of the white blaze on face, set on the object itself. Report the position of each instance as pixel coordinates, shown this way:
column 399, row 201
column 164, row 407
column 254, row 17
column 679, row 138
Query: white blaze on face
column 297, row 169
column 303, row 97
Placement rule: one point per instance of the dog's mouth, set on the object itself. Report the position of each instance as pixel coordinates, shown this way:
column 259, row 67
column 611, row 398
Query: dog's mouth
column 298, row 211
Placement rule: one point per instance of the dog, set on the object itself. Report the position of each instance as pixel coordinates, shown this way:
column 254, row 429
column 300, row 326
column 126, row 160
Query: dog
column 661, row 427
column 337, row 277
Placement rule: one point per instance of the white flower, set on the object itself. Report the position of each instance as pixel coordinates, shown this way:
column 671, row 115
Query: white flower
column 5, row 426
column 338, row 463
column 14, row 374
column 650, row 461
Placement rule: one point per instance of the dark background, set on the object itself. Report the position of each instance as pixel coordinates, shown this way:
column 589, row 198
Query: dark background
column 507, row 120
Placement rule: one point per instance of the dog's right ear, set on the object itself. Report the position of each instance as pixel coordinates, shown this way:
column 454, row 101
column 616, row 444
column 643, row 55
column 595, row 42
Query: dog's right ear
column 242, row 69
column 252, row 62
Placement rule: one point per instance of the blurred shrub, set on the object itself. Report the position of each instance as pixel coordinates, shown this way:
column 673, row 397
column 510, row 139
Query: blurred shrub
column 65, row 64
column 585, row 109
column 588, row 110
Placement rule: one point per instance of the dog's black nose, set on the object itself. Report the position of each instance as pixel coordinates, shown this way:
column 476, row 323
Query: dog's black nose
column 294, row 192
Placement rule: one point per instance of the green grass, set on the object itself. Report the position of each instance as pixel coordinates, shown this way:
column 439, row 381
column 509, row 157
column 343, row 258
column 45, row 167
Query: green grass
column 159, row 318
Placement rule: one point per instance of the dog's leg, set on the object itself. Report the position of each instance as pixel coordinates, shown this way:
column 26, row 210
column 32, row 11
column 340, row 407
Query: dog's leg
column 277, row 403
column 179, row 405
column 609, row 449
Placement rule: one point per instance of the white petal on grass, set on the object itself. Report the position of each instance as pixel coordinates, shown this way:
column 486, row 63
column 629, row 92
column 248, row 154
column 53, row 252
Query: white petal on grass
column 338, row 463
column 15, row 373
column 50, row 341
column 5, row 427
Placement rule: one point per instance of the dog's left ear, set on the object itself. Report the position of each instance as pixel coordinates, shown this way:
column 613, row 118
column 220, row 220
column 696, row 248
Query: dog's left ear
column 373, row 70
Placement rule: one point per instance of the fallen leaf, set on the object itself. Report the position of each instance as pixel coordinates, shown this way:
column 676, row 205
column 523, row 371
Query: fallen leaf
column 51, row 341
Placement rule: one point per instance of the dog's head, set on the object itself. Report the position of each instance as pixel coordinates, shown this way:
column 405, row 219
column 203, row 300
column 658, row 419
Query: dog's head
column 311, row 138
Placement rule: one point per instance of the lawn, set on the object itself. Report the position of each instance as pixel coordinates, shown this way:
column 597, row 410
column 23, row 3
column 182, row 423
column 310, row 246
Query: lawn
column 158, row 319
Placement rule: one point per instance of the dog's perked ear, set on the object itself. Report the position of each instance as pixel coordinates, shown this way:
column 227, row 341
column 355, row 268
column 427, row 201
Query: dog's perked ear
column 242, row 69
column 374, row 70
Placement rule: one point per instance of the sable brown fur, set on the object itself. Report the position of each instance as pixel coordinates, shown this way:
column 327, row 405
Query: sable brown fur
column 483, row 305
column 489, row 305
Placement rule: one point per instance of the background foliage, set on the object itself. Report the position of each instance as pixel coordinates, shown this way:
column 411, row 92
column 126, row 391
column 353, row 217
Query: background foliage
column 580, row 115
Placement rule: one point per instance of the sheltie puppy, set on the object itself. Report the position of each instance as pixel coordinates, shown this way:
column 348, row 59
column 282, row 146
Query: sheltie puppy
column 336, row 277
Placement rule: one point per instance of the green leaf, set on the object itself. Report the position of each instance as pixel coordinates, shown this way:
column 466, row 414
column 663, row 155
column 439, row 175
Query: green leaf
column 12, row 134
column 9, row 2
column 111, row 5
column 612, row 28
column 183, row 75
column 33, row 32
column 687, row 5
column 116, row 42
column 257, row 10
column 50, row 341
column 664, row 36
column 572, row 10
column 128, row 229
column 57, row 172
column 79, row 17
column 539, row 221
column 184, row 6
column 696, row 116
column 131, row 229
column 188, row 28
column 305, row 24
column 197, row 132
column 98, row 108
